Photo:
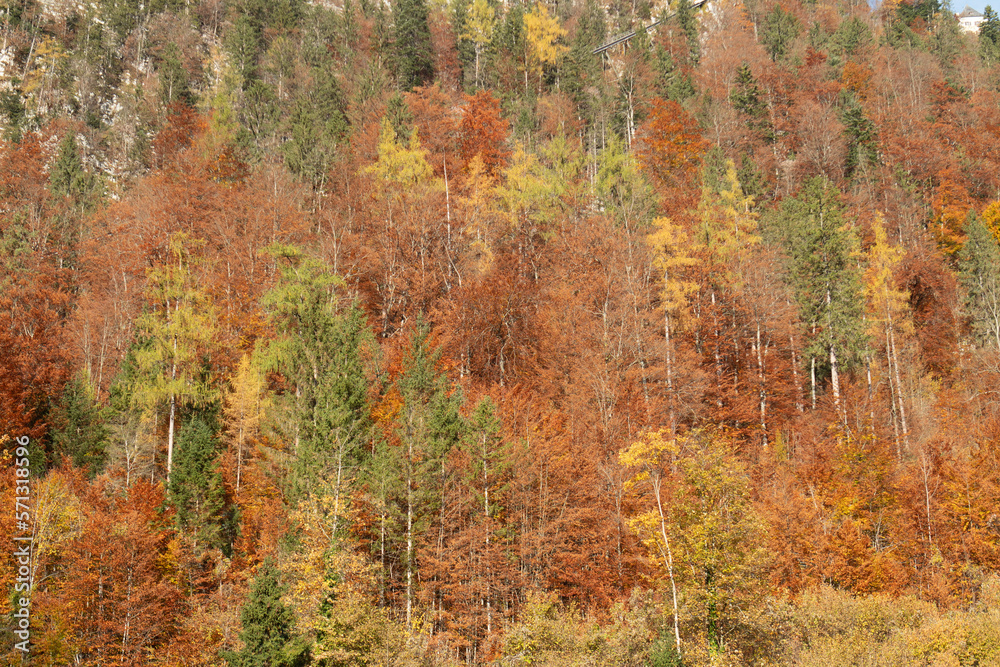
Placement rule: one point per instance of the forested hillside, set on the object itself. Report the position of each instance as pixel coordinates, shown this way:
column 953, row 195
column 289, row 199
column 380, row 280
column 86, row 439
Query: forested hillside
column 351, row 333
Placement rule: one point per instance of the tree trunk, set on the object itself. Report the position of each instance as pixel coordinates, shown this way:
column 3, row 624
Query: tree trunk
column 813, row 374
column 899, row 387
column 170, row 437
column 762, row 389
column 409, row 535
column 670, row 565
column 795, row 375
column 486, row 553
column 834, row 377
column 239, row 459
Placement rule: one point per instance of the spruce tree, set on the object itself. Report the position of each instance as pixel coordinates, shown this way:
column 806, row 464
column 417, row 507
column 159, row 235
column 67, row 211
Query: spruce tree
column 465, row 45
column 979, row 272
column 825, row 277
column 271, row 14
column 80, row 433
column 12, row 108
column 779, row 29
column 268, row 627
column 243, row 44
column 747, row 99
column 989, row 37
column 489, row 457
column 321, row 353
column 671, row 82
column 122, row 16
column 412, row 48
column 173, row 77
column 852, row 36
column 195, row 488
column 862, row 138
column 751, row 178
column 410, row 470
column 318, row 123
column 67, row 177
column 582, row 72
column 688, row 23
column 399, row 116
column 505, row 57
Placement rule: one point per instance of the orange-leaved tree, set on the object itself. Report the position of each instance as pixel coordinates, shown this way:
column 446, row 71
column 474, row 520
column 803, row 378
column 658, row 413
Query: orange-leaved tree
column 671, row 148
column 483, row 132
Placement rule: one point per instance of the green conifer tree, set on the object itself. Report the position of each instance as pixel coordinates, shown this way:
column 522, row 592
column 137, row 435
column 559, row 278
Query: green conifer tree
column 582, row 75
column 268, row 627
column 989, row 37
column 67, row 177
column 195, row 488
column 688, row 23
column 243, row 45
column 122, row 16
column 318, row 123
column 671, row 82
column 979, row 272
column 779, row 28
column 412, row 49
column 862, row 138
column 399, row 116
column 411, row 471
column 852, row 36
column 321, row 353
column 173, row 77
column 751, row 178
column 465, row 44
column 12, row 108
column 748, row 99
column 271, row 14
column 825, row 277
column 80, row 432
column 489, row 455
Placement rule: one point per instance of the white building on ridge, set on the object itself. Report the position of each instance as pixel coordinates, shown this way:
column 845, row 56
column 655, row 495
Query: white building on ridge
column 970, row 19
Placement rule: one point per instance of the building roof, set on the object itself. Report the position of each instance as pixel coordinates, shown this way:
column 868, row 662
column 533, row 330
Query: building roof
column 969, row 13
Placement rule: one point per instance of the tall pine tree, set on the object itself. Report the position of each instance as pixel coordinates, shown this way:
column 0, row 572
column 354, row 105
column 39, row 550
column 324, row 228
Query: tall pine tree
column 989, row 37
column 412, row 48
column 68, row 177
column 196, row 485
column 409, row 470
column 80, row 432
column 268, row 627
column 825, row 277
column 320, row 352
column 979, row 264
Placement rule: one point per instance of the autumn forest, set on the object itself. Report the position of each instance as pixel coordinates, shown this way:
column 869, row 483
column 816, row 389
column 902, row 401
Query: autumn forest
column 427, row 332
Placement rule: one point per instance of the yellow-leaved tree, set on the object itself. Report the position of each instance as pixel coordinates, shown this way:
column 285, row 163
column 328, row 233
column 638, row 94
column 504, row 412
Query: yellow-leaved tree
column 243, row 406
column 332, row 593
column 674, row 253
column 700, row 527
column 543, row 33
column 397, row 164
column 728, row 223
column 478, row 208
column 991, row 219
column 174, row 337
column 479, row 28
column 530, row 194
column 887, row 316
column 650, row 460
